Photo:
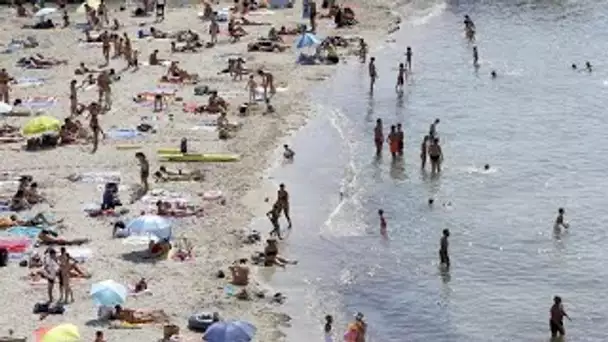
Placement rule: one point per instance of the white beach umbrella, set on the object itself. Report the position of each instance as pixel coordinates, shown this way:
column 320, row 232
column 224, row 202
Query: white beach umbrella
column 5, row 108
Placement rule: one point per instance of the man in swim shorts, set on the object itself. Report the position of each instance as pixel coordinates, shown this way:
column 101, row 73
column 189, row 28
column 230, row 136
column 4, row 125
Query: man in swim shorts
column 400, row 138
column 559, row 221
column 373, row 73
column 283, row 202
column 436, row 156
column 273, row 216
column 144, row 170
column 378, row 137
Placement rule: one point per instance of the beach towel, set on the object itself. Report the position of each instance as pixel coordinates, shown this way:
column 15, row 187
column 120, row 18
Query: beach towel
column 190, row 107
column 80, row 254
column 24, row 232
column 40, row 101
column 15, row 245
column 96, row 177
column 122, row 133
column 26, row 82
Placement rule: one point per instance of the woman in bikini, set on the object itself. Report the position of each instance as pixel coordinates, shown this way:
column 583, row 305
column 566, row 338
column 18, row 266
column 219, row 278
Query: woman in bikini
column 283, row 202
column 436, row 156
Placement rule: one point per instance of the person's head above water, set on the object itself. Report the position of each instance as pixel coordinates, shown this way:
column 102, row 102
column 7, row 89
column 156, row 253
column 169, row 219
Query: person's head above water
column 588, row 65
column 557, row 300
column 573, row 66
column 436, row 121
column 329, row 319
column 393, row 128
column 373, row 59
column 378, row 121
column 401, row 66
column 380, row 212
column 561, row 211
column 486, row 167
column 446, row 232
column 493, row 74
column 431, row 201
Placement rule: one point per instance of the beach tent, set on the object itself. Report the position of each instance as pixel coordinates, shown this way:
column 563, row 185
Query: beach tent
column 230, row 331
column 93, row 3
column 61, row 333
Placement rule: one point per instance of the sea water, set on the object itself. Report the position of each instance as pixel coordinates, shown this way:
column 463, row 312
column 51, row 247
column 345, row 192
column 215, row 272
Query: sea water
column 540, row 125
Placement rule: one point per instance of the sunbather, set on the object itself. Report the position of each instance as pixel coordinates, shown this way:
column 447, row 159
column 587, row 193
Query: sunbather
column 183, row 48
column 266, row 45
column 180, row 210
column 271, row 255
column 183, row 250
column 41, row 25
column 154, row 60
column 165, row 177
column 159, row 250
column 247, row 22
column 19, row 202
column 158, row 34
column 83, row 69
column 289, row 32
column 273, row 35
column 240, row 273
column 175, row 72
column 91, row 39
column 139, row 316
column 47, row 237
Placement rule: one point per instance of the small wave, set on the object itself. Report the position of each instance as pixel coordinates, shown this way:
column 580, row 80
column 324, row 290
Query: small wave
column 421, row 12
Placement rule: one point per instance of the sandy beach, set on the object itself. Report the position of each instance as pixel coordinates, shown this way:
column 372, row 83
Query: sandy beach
column 179, row 288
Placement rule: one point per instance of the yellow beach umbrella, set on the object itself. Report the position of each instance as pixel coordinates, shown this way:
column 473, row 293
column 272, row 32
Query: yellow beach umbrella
column 62, row 333
column 93, row 3
column 41, row 124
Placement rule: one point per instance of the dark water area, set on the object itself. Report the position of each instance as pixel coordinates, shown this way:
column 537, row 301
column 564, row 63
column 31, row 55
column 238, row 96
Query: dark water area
column 540, row 125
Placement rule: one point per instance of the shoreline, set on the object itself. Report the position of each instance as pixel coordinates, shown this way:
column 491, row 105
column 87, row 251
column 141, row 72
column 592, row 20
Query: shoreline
column 256, row 142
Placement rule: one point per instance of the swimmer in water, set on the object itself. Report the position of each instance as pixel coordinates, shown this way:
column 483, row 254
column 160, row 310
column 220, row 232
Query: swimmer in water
column 378, row 137
column 573, row 66
column 556, row 323
column 373, row 74
column 431, row 201
column 288, row 153
column 486, row 167
column 475, row 57
column 588, row 66
column 408, row 58
column 493, row 74
column 559, row 221
column 400, row 78
column 423, row 147
column 444, row 257
column 469, row 28
column 382, row 222
column 433, row 129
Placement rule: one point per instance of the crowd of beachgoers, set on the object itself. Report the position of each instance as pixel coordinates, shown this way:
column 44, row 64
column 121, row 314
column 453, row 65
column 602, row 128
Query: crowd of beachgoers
column 131, row 137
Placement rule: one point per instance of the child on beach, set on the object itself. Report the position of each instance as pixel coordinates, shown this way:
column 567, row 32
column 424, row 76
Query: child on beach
column 251, row 86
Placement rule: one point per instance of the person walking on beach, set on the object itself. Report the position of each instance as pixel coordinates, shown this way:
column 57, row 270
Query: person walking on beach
column 94, row 110
column 160, row 10
column 378, row 137
column 267, row 83
column 393, row 141
column 408, row 58
column 5, row 79
column 328, row 328
column 362, row 50
column 444, row 256
column 144, row 170
column 475, row 57
column 383, row 231
column 400, row 138
column 283, row 202
column 559, row 220
column 65, row 289
column 436, row 156
column 373, row 74
column 105, row 47
column 273, row 215
column 73, row 98
column 556, row 322
column 214, row 30
column 423, row 148
column 400, row 78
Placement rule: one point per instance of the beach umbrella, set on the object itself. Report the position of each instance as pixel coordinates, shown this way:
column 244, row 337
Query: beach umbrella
column 41, row 124
column 150, row 225
column 43, row 12
column 108, row 293
column 307, row 40
column 230, row 331
column 62, row 333
column 5, row 108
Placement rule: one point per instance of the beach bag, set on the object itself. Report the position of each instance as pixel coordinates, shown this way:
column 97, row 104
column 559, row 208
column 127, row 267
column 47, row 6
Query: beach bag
column 3, row 257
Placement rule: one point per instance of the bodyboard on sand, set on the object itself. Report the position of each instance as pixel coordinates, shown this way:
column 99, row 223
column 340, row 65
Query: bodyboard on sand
column 209, row 158
column 128, row 147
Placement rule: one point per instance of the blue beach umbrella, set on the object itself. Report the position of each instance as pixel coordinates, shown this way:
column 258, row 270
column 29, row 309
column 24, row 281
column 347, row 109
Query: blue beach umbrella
column 109, row 293
column 307, row 40
column 150, row 225
column 230, row 331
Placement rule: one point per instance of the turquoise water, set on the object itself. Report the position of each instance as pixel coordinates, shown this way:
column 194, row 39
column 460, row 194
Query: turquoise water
column 539, row 124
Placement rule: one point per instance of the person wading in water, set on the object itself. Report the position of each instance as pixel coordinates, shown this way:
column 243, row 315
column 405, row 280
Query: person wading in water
column 283, row 202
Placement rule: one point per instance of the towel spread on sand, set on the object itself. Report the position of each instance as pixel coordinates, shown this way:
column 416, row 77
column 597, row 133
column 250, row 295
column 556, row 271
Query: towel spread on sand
column 40, row 101
column 122, row 133
column 96, row 177
column 26, row 82
column 25, row 232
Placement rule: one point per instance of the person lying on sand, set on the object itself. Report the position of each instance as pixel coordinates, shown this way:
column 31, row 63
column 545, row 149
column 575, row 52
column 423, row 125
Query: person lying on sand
column 240, row 273
column 183, row 250
column 83, row 70
column 182, row 48
column 158, row 34
column 246, row 22
column 47, row 237
column 165, row 177
column 288, row 32
column 139, row 316
column 41, row 25
column 19, row 202
column 271, row 255
column 38, row 220
column 273, row 35
column 175, row 72
column 180, row 210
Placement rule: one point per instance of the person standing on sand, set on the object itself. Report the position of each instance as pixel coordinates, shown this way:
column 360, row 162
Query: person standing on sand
column 104, row 90
column 65, row 289
column 214, row 30
column 556, row 322
column 144, row 170
column 408, row 58
column 373, row 74
column 102, row 12
column 378, row 137
column 51, row 268
column 423, row 147
column 444, row 256
column 73, row 98
column 94, row 110
column 400, row 79
column 5, row 78
column 126, row 51
column 105, row 47
column 283, row 202
column 251, row 86
column 312, row 8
